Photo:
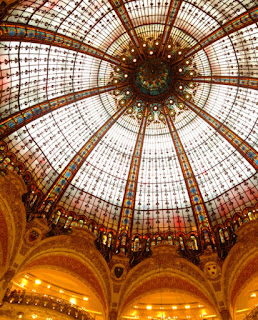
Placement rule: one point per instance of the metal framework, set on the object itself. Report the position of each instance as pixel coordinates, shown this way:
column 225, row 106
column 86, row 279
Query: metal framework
column 201, row 215
column 127, row 212
column 170, row 20
column 248, row 152
column 249, row 83
column 245, row 19
column 25, row 116
column 61, row 184
column 28, row 33
column 123, row 15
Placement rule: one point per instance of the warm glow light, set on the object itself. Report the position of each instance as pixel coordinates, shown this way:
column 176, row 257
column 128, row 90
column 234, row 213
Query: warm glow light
column 144, row 45
column 49, row 286
column 253, row 295
column 157, row 43
column 61, row 291
column 151, row 52
column 200, row 306
column 149, row 307
column 37, row 281
column 23, row 282
column 169, row 56
column 187, row 307
column 34, row 316
column 135, row 307
column 134, row 60
column 85, row 298
column 174, row 307
column 73, row 301
column 125, row 75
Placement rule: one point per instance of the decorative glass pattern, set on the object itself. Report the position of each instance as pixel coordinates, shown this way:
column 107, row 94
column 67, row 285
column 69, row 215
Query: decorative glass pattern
column 60, row 88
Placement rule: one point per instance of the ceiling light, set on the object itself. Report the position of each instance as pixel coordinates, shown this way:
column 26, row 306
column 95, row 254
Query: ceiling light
column 149, row 307
column 144, row 45
column 253, row 295
column 179, row 52
column 169, row 56
column 169, row 46
column 174, row 307
column 132, row 50
column 134, row 60
column 151, row 52
column 187, row 307
column 73, row 301
column 125, row 75
column 37, row 281
column 157, row 43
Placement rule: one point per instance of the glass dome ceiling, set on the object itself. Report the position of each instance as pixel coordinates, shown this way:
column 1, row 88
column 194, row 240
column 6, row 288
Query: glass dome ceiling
column 132, row 146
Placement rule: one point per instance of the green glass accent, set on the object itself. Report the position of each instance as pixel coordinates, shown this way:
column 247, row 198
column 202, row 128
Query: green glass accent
column 153, row 77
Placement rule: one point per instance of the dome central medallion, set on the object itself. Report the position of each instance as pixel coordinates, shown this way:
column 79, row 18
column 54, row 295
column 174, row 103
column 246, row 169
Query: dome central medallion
column 153, row 76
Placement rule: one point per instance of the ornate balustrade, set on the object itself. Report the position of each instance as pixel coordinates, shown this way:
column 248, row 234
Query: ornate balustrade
column 46, row 301
column 253, row 315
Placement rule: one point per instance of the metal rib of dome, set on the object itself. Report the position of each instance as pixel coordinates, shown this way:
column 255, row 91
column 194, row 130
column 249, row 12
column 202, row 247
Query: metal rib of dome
column 138, row 114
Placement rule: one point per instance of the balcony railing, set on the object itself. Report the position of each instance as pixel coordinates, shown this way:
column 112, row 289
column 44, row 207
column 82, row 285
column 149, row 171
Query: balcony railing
column 253, row 315
column 46, row 301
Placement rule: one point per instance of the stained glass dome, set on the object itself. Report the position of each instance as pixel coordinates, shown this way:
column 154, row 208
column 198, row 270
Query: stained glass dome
column 139, row 115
